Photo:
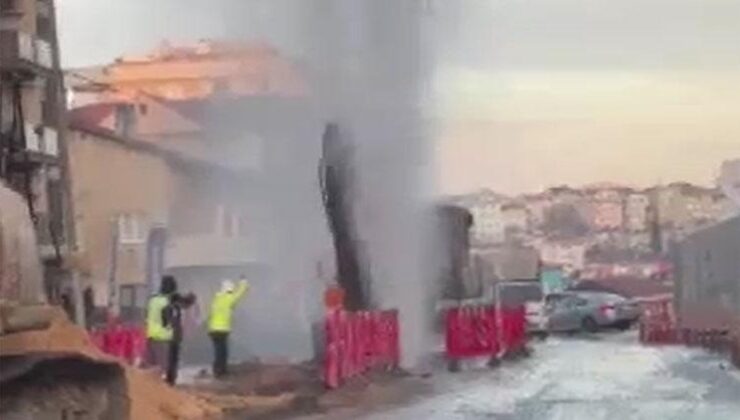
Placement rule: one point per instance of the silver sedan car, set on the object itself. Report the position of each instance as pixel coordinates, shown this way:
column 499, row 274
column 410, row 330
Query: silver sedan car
column 589, row 311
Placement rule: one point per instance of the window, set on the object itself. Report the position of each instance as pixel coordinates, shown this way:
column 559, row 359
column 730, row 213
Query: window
column 130, row 229
column 143, row 109
column 7, row 5
column 230, row 222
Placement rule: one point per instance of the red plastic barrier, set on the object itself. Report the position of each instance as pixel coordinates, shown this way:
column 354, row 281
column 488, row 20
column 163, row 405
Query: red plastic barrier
column 658, row 322
column 473, row 331
column 513, row 326
column 357, row 342
column 127, row 342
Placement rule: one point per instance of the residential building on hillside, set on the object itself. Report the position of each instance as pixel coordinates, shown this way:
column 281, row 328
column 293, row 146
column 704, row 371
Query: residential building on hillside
column 32, row 152
column 636, row 210
column 607, row 207
column 683, row 205
column 563, row 195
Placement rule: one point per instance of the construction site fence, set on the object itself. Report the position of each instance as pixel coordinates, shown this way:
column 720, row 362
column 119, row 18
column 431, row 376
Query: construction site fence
column 484, row 330
column 658, row 322
column 125, row 341
column 658, row 325
column 357, row 342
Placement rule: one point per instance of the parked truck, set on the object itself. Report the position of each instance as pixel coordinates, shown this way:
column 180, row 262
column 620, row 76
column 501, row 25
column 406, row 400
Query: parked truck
column 453, row 229
column 707, row 283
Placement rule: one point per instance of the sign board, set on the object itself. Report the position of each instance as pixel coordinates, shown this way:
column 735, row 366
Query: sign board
column 552, row 281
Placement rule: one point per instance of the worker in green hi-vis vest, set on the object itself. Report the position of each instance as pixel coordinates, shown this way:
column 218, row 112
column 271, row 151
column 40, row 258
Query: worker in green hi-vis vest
column 219, row 322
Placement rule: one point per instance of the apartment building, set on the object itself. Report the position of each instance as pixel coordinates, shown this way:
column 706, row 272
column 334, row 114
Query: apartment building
column 636, row 212
column 606, row 203
column 124, row 189
column 32, row 148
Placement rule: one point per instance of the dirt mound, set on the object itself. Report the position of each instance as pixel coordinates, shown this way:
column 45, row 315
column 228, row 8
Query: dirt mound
column 148, row 396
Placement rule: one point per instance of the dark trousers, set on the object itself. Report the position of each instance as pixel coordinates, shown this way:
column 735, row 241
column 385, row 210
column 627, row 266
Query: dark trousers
column 220, row 352
column 157, row 353
column 173, row 360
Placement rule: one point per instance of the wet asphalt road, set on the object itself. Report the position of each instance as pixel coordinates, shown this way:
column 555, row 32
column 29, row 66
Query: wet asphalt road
column 603, row 377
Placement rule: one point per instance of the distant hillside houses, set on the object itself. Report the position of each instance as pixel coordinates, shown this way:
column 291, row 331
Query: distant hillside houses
column 571, row 227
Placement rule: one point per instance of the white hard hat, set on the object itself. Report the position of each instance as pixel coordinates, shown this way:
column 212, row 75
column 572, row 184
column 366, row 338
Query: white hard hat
column 227, row 286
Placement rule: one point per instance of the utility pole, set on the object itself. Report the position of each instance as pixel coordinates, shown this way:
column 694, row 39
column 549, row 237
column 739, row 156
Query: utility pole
column 68, row 214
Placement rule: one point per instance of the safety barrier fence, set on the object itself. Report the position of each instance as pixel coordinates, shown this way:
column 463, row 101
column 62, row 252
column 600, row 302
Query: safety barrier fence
column 658, row 322
column 658, row 325
column 124, row 341
column 357, row 342
column 474, row 331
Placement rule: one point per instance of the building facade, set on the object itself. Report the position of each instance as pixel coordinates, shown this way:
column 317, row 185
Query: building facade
column 123, row 189
column 636, row 211
column 32, row 148
column 607, row 208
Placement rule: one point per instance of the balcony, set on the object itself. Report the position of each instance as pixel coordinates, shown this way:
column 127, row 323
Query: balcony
column 209, row 250
column 43, row 53
column 24, row 54
column 48, row 243
column 42, row 142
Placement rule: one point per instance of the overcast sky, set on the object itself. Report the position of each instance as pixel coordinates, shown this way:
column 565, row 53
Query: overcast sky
column 530, row 92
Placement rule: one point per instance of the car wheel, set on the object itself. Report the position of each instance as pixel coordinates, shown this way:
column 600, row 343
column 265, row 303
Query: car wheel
column 624, row 325
column 589, row 325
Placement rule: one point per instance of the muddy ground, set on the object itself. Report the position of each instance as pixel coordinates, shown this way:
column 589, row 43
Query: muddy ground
column 289, row 391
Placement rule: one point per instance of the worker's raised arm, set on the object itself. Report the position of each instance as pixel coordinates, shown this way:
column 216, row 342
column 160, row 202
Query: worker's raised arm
column 240, row 291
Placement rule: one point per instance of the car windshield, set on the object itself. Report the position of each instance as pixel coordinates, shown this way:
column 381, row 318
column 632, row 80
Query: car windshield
column 603, row 297
column 516, row 294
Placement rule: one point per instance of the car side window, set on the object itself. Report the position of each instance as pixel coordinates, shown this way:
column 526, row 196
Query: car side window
column 572, row 302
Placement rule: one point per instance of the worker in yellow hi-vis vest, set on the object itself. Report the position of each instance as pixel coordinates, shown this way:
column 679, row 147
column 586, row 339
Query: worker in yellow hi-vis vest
column 158, row 333
column 219, row 322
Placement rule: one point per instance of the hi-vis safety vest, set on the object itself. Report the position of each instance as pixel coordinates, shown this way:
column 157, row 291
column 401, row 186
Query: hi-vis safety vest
column 155, row 329
column 219, row 319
